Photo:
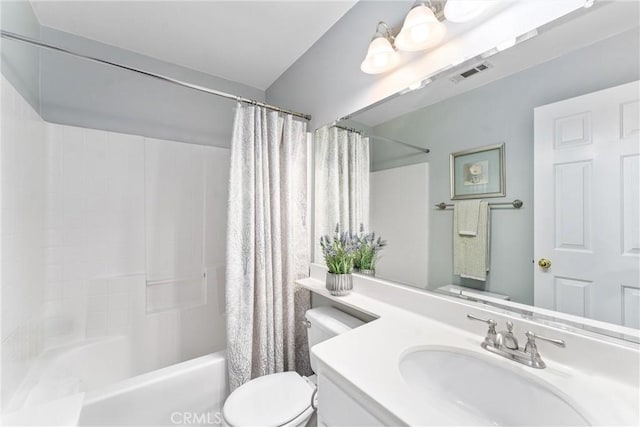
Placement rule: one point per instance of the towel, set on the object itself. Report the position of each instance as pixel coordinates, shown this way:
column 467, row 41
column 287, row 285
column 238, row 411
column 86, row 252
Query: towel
column 471, row 252
column 468, row 215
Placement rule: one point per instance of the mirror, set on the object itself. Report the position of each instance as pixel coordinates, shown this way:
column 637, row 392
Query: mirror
column 570, row 155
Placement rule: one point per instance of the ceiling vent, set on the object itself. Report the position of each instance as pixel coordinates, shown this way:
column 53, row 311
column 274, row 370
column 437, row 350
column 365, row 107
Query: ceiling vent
column 471, row 72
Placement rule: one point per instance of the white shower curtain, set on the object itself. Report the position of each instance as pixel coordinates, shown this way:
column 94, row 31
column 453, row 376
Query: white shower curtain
column 267, row 245
column 341, row 182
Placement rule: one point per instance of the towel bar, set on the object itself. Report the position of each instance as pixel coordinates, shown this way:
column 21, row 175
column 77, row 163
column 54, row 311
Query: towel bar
column 516, row 204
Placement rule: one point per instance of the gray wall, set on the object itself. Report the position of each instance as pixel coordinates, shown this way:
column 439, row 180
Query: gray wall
column 326, row 81
column 21, row 63
column 82, row 93
column 502, row 111
column 77, row 92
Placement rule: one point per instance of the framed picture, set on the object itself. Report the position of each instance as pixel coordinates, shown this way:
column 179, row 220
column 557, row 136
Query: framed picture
column 478, row 173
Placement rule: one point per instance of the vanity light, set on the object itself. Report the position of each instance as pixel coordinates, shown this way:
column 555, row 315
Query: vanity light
column 465, row 10
column 420, row 30
column 382, row 55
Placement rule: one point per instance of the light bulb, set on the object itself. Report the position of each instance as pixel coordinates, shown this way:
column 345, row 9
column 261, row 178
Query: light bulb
column 381, row 56
column 465, row 10
column 419, row 33
column 380, row 60
column 420, row 30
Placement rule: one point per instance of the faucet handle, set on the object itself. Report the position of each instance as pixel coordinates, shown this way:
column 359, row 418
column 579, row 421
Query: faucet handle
column 492, row 323
column 491, row 337
column 532, row 336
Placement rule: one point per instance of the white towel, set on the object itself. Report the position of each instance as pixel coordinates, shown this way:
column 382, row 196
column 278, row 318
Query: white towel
column 471, row 253
column 468, row 215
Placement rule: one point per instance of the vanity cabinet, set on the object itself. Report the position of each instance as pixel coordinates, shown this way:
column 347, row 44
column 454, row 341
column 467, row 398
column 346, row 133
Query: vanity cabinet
column 336, row 407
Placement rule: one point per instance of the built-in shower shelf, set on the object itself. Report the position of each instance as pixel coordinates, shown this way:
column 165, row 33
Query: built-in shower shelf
column 162, row 295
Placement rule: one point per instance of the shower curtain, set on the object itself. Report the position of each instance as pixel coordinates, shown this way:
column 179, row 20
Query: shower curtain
column 341, row 182
column 267, row 246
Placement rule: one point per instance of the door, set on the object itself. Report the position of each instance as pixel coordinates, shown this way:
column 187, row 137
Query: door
column 587, row 205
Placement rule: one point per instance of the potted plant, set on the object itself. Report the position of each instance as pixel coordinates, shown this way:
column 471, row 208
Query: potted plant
column 339, row 253
column 367, row 251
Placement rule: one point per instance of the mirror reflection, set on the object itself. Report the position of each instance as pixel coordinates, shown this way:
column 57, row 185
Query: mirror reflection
column 552, row 124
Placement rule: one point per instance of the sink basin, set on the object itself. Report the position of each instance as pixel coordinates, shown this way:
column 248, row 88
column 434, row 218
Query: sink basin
column 476, row 390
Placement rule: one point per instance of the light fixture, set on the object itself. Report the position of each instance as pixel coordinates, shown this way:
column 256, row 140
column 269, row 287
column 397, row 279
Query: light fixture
column 382, row 55
column 465, row 10
column 589, row 3
column 420, row 30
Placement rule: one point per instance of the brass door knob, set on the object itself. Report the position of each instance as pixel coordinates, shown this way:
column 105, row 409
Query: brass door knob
column 544, row 263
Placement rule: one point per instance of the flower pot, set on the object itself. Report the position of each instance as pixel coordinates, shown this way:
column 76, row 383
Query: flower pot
column 339, row 284
column 371, row 272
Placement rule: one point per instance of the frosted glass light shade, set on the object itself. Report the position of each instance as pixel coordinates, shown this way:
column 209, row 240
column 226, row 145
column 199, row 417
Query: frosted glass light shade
column 381, row 57
column 420, row 30
column 465, row 10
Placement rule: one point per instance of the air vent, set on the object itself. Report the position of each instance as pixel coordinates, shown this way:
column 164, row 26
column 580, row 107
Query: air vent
column 471, row 72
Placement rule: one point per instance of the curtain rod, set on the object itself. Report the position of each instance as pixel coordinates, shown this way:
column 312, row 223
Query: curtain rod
column 395, row 141
column 23, row 39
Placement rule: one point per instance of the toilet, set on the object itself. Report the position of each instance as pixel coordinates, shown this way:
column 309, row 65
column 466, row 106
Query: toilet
column 285, row 399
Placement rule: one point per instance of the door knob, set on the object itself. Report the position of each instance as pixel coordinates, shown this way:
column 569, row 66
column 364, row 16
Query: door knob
column 544, row 263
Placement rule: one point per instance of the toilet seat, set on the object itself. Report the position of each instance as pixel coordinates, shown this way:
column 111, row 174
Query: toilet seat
column 275, row 400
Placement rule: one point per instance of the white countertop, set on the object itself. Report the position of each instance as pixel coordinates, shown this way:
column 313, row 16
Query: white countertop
column 367, row 359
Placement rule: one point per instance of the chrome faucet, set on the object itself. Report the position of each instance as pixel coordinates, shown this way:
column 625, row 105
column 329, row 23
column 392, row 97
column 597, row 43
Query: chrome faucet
column 504, row 343
column 492, row 336
column 506, row 338
column 532, row 349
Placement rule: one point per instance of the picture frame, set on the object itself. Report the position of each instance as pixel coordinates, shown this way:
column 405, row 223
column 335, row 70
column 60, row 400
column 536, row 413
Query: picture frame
column 478, row 173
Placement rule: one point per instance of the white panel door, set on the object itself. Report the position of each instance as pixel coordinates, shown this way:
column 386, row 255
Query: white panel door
column 587, row 205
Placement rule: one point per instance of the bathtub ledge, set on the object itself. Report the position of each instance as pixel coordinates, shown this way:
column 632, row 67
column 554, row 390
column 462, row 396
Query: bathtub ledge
column 60, row 412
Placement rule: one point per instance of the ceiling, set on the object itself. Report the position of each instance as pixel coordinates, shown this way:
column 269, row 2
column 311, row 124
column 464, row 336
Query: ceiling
column 250, row 42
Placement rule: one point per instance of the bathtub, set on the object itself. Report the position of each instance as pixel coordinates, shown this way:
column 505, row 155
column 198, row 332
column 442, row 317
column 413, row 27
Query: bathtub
column 188, row 393
column 74, row 368
column 94, row 384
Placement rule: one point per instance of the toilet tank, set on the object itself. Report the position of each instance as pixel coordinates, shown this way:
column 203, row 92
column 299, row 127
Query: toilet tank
column 327, row 322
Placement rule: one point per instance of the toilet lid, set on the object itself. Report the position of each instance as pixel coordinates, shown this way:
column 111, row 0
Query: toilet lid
column 269, row 401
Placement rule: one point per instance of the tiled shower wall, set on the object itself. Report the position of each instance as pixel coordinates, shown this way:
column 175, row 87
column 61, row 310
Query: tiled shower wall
column 22, row 236
column 95, row 222
column 109, row 226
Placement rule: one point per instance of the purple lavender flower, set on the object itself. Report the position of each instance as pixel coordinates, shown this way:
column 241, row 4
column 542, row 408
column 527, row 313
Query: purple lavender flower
column 368, row 249
column 339, row 251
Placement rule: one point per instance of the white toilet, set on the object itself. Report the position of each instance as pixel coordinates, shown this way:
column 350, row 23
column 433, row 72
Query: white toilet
column 284, row 399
